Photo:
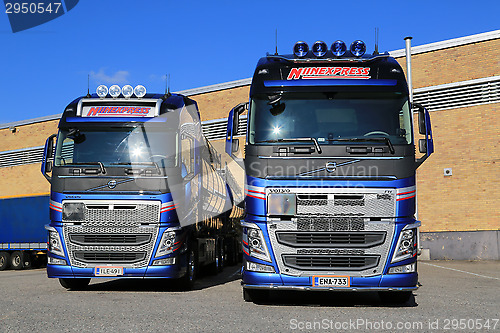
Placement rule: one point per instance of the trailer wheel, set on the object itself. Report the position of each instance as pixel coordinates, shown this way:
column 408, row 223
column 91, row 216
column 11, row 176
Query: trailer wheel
column 395, row 297
column 255, row 295
column 16, row 260
column 187, row 281
column 4, row 260
column 74, row 284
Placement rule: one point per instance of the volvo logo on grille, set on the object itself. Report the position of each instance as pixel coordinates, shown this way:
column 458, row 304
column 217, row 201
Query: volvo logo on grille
column 112, row 184
column 331, row 166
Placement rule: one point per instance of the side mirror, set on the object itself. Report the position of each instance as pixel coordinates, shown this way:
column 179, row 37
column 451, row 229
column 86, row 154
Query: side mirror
column 422, row 128
column 48, row 157
column 236, row 145
column 422, row 146
column 233, row 123
column 426, row 145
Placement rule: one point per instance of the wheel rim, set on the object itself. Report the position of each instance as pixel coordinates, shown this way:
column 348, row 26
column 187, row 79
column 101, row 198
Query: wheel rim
column 2, row 260
column 17, row 260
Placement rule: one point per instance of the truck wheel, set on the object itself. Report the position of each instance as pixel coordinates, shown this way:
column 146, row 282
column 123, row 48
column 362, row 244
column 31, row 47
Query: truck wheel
column 255, row 295
column 395, row 297
column 74, row 284
column 4, row 260
column 16, row 260
column 187, row 281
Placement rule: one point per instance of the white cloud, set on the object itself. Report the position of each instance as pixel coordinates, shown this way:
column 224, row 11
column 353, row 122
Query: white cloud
column 118, row 77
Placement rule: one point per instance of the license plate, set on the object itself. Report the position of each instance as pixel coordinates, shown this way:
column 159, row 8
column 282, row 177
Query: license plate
column 108, row 271
column 331, row 281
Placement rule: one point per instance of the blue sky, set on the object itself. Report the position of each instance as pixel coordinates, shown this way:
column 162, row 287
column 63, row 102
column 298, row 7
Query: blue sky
column 200, row 42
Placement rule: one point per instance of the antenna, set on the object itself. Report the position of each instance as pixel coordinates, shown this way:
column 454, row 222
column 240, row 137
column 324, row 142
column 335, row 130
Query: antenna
column 167, row 87
column 376, row 41
column 276, row 42
column 88, row 86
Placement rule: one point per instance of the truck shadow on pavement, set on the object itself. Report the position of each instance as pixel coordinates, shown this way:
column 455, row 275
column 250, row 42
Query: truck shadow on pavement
column 332, row 299
column 204, row 280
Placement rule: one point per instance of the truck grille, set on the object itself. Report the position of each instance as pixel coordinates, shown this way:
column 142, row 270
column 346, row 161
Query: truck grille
column 330, row 223
column 112, row 257
column 110, row 239
column 328, row 262
column 331, row 239
column 323, row 245
column 90, row 245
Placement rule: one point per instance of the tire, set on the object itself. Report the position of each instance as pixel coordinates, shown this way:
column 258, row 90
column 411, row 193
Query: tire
column 255, row 295
column 4, row 260
column 394, row 297
column 187, row 281
column 74, row 284
column 16, row 260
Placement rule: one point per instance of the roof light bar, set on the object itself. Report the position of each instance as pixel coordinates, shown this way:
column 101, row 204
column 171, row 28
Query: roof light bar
column 300, row 49
column 140, row 91
column 127, row 91
column 358, row 48
column 115, row 90
column 319, row 49
column 338, row 48
column 102, row 91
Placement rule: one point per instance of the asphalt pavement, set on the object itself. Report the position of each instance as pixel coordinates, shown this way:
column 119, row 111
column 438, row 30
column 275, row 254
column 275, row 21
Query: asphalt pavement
column 454, row 296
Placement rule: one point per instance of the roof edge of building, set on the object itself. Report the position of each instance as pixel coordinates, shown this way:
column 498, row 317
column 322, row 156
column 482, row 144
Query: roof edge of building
column 485, row 36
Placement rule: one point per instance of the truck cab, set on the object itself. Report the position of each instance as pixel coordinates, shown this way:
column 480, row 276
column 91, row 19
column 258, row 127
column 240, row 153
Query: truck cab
column 330, row 173
column 134, row 192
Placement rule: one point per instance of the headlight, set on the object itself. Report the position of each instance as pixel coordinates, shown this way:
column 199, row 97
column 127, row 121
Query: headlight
column 406, row 246
column 55, row 244
column 73, row 211
column 281, row 204
column 253, row 239
column 167, row 243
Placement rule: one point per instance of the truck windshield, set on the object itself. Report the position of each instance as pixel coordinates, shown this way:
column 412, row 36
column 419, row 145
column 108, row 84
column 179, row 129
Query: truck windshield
column 117, row 146
column 330, row 116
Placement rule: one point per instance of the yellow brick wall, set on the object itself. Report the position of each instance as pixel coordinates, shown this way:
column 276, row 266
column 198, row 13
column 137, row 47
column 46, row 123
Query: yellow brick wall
column 466, row 140
column 461, row 63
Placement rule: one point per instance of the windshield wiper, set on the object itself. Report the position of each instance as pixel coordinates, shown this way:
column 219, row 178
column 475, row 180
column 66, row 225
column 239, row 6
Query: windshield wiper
column 316, row 144
column 386, row 140
column 103, row 170
column 139, row 163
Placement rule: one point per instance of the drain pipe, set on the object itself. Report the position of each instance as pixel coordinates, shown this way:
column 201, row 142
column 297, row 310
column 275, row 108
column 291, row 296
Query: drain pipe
column 410, row 97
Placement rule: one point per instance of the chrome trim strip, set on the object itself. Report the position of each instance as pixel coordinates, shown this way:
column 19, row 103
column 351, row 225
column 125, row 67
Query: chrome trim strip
column 311, row 288
column 116, row 177
column 332, row 157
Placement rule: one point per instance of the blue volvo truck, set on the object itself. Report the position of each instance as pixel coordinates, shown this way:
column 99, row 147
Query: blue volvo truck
column 330, row 173
column 134, row 190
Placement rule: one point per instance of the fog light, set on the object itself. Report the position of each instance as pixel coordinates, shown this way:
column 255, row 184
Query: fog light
column 164, row 262
column 56, row 261
column 255, row 267
column 410, row 268
column 115, row 91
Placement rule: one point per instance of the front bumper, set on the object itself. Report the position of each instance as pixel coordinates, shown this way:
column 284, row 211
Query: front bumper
column 175, row 271
column 386, row 282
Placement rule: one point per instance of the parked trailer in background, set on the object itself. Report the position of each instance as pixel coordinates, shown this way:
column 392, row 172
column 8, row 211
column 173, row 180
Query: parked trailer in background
column 23, row 238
